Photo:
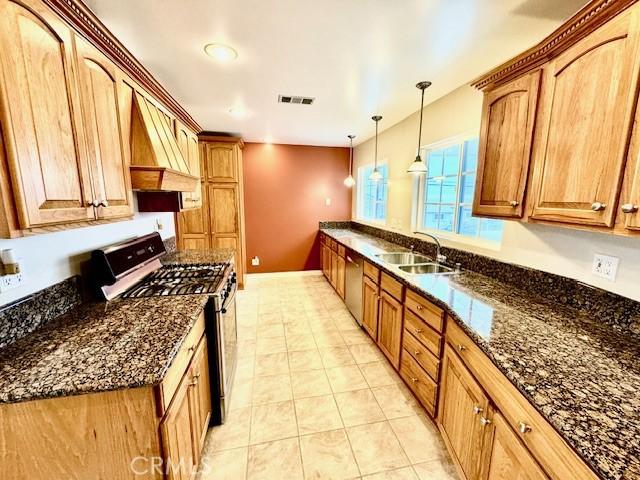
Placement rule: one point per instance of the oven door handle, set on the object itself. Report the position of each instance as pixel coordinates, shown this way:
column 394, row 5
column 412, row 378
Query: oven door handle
column 229, row 299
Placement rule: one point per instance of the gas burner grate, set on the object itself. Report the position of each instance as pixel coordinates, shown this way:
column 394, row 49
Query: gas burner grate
column 180, row 280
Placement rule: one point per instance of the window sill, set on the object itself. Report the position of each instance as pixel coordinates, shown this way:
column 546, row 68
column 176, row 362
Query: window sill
column 461, row 239
column 376, row 223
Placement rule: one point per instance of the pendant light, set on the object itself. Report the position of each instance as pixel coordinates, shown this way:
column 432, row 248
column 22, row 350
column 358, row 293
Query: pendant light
column 376, row 175
column 349, row 181
column 419, row 166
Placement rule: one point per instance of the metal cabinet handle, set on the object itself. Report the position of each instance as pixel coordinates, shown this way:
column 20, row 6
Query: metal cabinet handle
column 523, row 427
column 514, row 203
column 419, row 307
column 416, row 353
column 629, row 208
column 194, row 380
column 598, row 206
column 484, row 421
column 414, row 379
column 461, row 347
column 418, row 330
column 477, row 410
column 104, row 203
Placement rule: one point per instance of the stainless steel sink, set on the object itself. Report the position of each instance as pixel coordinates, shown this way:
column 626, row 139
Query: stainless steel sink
column 403, row 258
column 426, row 268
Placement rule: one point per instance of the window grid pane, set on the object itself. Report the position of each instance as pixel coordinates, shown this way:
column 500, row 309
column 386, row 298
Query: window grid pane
column 372, row 198
column 447, row 192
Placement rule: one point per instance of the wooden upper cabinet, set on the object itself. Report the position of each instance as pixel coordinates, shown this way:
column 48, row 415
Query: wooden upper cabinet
column 464, row 414
column 100, row 82
column 507, row 458
column 506, row 135
column 390, row 327
column 41, row 117
column 587, row 109
column 222, row 162
column 223, row 209
column 188, row 145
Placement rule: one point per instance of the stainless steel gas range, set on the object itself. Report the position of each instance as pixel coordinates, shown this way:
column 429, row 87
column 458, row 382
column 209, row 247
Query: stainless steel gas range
column 133, row 269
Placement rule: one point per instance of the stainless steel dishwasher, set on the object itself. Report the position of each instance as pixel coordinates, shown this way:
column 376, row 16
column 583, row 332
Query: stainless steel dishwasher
column 353, row 285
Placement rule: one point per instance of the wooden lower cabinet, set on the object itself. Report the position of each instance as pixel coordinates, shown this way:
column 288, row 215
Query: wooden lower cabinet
column 507, row 458
column 334, row 268
column 463, row 416
column 326, row 262
column 370, row 303
column 390, row 327
column 200, row 395
column 340, row 276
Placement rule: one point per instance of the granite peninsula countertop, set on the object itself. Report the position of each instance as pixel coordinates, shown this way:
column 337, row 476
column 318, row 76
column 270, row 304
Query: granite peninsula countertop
column 581, row 375
column 102, row 346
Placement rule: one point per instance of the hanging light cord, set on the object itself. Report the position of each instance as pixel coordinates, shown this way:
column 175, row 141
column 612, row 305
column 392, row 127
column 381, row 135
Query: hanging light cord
column 375, row 167
column 350, row 155
column 420, row 130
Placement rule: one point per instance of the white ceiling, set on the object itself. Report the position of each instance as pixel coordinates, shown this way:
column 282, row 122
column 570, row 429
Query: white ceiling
column 357, row 57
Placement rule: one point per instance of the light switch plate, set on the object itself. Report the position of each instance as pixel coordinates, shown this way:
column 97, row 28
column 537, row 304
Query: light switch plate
column 605, row 266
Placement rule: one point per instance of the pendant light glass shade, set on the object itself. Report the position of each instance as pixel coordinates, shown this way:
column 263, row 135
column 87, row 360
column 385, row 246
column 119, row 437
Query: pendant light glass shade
column 419, row 166
column 376, row 175
column 349, row 181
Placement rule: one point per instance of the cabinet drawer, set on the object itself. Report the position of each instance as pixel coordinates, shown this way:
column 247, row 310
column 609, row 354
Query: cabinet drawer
column 419, row 382
column 556, row 457
column 322, row 239
column 427, row 311
column 333, row 244
column 179, row 366
column 421, row 354
column 341, row 250
column 392, row 286
column 371, row 271
column 423, row 332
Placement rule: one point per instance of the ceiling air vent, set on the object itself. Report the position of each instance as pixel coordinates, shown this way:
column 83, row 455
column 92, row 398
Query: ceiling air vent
column 294, row 99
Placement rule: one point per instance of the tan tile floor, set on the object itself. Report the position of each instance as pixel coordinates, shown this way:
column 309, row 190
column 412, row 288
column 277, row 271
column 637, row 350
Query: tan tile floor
column 313, row 397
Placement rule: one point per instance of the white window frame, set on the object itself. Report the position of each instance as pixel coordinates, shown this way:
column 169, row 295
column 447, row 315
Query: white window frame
column 359, row 195
column 419, row 191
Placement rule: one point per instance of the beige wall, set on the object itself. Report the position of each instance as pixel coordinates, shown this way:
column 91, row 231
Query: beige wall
column 553, row 249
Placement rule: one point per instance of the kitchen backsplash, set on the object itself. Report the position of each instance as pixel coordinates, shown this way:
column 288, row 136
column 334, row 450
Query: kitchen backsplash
column 618, row 311
column 170, row 244
column 23, row 316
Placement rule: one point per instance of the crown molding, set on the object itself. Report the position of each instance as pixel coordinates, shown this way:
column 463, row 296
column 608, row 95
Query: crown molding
column 590, row 17
column 87, row 24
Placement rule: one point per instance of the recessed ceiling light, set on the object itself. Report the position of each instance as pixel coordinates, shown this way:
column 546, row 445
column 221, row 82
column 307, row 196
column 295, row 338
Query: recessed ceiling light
column 221, row 52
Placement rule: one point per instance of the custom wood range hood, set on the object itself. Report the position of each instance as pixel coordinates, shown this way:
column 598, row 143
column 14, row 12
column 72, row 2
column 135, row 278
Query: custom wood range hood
column 157, row 163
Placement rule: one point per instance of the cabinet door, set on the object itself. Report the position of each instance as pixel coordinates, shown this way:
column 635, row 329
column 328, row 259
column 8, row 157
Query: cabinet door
column 188, row 145
column 504, row 155
column 463, row 414
column 340, row 279
column 100, row 82
column 370, row 303
column 334, row 268
column 223, row 209
column 507, row 458
column 222, row 162
column 326, row 262
column 390, row 328
column 181, row 452
column 41, row 117
column 587, row 109
column 200, row 394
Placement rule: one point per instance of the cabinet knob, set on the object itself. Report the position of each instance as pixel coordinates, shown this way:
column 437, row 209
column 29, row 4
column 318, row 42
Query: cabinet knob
column 414, row 379
column 477, row 410
column 194, row 380
column 418, row 330
column 514, row 203
column 598, row 206
column 416, row 353
column 461, row 347
column 629, row 208
column 523, row 427
column 484, row 421
column 419, row 307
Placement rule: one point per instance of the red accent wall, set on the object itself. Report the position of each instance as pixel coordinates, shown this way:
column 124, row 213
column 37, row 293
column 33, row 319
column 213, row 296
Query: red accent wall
column 285, row 187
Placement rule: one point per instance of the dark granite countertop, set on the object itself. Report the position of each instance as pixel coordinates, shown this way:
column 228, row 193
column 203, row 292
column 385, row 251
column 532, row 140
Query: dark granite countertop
column 582, row 375
column 101, row 346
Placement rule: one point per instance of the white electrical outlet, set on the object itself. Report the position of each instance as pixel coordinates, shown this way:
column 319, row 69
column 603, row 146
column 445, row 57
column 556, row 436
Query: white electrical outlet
column 255, row 261
column 605, row 266
column 327, row 202
column 9, row 282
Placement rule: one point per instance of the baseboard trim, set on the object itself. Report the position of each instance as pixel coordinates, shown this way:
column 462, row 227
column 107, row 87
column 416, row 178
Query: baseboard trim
column 300, row 273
